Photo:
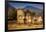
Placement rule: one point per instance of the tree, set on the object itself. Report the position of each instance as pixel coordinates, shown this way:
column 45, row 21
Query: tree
column 33, row 14
column 11, row 13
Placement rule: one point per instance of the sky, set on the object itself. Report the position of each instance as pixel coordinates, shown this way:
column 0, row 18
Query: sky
column 22, row 5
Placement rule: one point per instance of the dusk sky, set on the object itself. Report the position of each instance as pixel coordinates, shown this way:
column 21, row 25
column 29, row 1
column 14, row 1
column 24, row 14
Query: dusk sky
column 22, row 5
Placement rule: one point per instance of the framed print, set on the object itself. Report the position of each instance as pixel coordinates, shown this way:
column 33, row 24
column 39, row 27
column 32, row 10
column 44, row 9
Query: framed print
column 24, row 15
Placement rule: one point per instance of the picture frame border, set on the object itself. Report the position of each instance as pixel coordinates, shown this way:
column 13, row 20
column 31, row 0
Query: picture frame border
column 6, row 15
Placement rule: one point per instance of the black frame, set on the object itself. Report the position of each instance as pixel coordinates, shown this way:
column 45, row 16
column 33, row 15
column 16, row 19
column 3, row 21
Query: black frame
column 6, row 13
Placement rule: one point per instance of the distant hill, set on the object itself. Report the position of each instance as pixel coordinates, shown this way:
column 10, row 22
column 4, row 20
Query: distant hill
column 34, row 9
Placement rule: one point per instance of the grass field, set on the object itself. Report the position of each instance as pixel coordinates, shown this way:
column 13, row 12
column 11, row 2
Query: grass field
column 13, row 26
